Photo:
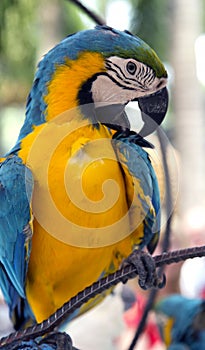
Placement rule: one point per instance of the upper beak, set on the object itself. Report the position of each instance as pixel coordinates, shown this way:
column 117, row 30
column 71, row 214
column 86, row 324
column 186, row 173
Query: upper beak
column 153, row 108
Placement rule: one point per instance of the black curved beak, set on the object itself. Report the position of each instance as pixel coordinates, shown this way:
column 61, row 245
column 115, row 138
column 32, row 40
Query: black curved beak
column 153, row 109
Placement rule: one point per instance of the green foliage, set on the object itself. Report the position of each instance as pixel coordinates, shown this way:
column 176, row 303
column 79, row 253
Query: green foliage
column 20, row 35
column 151, row 21
column 17, row 38
column 71, row 21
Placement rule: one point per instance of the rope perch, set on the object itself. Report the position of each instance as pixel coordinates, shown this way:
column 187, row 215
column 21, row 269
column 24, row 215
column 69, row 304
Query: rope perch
column 105, row 283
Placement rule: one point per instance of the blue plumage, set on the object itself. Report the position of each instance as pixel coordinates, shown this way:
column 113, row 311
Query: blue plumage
column 16, row 184
column 188, row 315
column 109, row 77
column 130, row 152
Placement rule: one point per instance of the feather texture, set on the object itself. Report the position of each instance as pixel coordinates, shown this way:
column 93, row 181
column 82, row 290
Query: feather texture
column 75, row 200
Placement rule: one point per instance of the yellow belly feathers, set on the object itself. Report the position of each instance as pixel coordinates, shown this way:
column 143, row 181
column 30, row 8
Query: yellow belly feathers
column 76, row 239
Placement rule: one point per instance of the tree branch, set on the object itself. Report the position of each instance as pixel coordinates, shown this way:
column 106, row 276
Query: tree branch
column 97, row 19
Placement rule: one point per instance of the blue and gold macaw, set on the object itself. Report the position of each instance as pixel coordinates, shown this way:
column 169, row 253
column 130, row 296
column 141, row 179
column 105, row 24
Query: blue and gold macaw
column 181, row 322
column 77, row 192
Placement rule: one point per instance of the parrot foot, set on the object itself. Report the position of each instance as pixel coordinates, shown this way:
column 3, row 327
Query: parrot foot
column 146, row 270
column 51, row 341
column 60, row 341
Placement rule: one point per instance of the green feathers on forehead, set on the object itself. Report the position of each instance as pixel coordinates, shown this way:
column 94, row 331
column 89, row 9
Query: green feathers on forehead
column 144, row 54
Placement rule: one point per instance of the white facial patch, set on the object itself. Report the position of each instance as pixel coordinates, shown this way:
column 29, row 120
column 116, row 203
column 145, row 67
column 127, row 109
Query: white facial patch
column 124, row 81
column 106, row 90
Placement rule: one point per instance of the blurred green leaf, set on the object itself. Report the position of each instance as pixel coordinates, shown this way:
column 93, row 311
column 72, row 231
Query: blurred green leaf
column 151, row 22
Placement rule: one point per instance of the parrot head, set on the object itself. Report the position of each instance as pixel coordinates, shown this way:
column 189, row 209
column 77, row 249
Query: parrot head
column 100, row 70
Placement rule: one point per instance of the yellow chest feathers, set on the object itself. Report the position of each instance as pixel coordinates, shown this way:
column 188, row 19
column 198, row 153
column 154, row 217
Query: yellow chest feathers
column 81, row 221
column 78, row 183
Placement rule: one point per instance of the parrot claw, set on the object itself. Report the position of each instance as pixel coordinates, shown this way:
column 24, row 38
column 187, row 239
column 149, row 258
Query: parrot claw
column 146, row 270
column 61, row 340
column 53, row 340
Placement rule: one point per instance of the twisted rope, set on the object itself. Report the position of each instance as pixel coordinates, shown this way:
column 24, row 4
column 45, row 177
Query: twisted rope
column 98, row 287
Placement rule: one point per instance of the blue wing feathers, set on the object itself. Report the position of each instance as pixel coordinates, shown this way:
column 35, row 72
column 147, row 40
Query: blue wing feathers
column 16, row 185
column 188, row 325
column 137, row 161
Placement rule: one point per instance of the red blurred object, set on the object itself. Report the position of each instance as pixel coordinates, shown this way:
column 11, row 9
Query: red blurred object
column 133, row 316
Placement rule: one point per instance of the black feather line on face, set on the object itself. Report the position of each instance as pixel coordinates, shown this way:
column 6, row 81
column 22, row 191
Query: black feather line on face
column 113, row 116
column 117, row 82
column 85, row 101
column 117, row 71
column 85, row 93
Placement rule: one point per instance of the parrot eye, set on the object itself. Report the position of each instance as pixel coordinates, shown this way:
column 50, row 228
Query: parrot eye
column 131, row 67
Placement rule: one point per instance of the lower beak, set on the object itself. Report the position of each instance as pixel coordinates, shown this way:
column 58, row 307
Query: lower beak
column 113, row 116
column 153, row 109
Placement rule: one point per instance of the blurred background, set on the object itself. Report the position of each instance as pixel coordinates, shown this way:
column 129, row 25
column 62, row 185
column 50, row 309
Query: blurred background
column 175, row 29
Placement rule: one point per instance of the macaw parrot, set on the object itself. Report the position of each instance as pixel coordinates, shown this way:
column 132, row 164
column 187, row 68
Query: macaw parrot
column 78, row 193
column 181, row 322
